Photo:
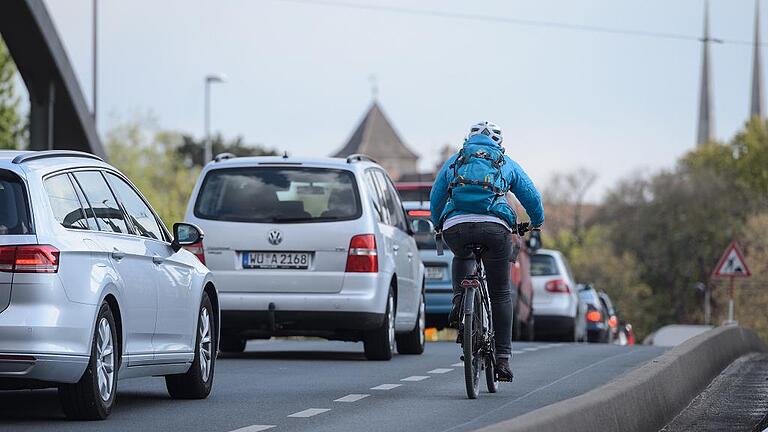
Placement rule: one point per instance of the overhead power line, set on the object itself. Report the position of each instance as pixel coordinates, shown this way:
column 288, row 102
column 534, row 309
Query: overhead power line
column 513, row 21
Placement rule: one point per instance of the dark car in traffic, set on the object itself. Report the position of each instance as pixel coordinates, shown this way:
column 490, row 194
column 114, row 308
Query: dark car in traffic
column 598, row 328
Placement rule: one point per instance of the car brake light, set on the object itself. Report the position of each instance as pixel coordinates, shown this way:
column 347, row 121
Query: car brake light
column 29, row 259
column 594, row 316
column 362, row 257
column 419, row 213
column 613, row 322
column 197, row 249
column 557, row 286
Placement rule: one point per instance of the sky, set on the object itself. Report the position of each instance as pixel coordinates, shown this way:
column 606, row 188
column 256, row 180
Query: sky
column 298, row 74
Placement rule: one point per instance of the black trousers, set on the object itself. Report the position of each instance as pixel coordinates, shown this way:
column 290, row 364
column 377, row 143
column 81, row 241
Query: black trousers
column 497, row 240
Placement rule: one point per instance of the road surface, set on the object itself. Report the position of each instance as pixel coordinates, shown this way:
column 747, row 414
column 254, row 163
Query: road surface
column 328, row 386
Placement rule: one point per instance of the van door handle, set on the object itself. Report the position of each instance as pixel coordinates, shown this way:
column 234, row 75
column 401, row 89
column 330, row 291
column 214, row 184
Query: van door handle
column 117, row 254
column 410, row 255
column 158, row 260
column 395, row 248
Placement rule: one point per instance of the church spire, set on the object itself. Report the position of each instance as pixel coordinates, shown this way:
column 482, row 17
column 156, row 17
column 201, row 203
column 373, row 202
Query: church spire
column 706, row 129
column 757, row 101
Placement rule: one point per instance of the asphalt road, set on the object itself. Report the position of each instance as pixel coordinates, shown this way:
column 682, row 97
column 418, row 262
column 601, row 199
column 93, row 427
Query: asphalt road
column 328, row 386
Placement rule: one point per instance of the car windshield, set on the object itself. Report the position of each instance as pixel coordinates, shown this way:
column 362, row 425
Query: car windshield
column 543, row 265
column 279, row 195
column 14, row 210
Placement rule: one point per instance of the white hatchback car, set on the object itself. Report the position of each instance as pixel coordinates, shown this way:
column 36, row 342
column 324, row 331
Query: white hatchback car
column 94, row 288
column 558, row 309
column 311, row 247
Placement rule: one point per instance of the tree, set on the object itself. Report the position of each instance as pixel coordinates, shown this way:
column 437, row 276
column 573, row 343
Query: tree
column 12, row 128
column 150, row 158
column 191, row 150
column 566, row 193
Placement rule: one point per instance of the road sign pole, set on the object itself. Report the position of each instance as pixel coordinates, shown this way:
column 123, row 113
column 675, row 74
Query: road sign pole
column 730, row 303
column 707, row 311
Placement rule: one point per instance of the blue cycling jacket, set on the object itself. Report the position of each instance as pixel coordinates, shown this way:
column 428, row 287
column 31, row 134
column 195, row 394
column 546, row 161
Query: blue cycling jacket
column 520, row 184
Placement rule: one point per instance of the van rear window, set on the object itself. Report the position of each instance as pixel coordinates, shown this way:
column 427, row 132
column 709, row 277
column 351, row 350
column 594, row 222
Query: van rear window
column 14, row 208
column 543, row 265
column 278, row 195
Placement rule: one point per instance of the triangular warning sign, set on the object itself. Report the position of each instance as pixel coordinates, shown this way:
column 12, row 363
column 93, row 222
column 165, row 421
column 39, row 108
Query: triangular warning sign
column 732, row 264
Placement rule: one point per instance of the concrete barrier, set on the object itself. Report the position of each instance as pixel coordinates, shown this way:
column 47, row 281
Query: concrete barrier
column 648, row 397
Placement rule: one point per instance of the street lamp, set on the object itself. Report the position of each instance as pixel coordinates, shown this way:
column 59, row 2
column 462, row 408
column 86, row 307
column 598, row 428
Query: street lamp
column 209, row 79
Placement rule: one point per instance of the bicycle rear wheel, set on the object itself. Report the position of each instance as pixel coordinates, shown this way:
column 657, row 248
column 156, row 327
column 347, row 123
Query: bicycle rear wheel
column 472, row 333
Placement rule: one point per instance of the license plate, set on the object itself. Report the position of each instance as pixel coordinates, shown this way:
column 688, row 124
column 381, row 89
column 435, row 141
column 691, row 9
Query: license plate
column 434, row 272
column 276, row 260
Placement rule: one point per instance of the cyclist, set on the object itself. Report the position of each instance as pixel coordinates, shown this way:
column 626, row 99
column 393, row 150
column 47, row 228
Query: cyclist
column 469, row 206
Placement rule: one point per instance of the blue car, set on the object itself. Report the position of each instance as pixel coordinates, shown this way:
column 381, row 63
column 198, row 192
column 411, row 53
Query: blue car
column 437, row 268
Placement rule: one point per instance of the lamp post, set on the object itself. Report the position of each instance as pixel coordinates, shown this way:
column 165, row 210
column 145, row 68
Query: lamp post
column 209, row 79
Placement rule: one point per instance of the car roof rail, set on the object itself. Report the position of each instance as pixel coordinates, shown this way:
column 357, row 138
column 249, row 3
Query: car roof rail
column 359, row 158
column 224, row 156
column 26, row 157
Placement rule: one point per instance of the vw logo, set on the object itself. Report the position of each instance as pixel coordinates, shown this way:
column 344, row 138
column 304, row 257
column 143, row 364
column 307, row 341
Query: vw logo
column 275, row 237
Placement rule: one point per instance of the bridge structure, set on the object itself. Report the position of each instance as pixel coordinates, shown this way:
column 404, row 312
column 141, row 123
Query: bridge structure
column 59, row 115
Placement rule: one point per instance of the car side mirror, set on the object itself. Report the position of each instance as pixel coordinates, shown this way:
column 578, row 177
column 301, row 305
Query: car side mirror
column 422, row 226
column 185, row 234
column 534, row 242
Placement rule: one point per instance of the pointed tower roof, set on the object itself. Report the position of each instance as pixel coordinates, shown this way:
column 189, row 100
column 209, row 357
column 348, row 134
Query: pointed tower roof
column 376, row 138
column 706, row 128
column 757, row 101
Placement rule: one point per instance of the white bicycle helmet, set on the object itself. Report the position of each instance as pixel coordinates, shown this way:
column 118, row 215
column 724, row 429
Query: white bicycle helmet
column 489, row 129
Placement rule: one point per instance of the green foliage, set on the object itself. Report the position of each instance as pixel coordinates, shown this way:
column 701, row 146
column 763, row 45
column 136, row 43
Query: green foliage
column 12, row 128
column 191, row 150
column 594, row 260
column 152, row 163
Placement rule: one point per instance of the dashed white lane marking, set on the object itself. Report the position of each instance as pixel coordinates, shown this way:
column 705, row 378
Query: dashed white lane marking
column 352, row 397
column 517, row 352
column 415, row 378
column 531, row 349
column 309, row 412
column 254, row 428
column 458, row 364
column 440, row 371
column 386, row 387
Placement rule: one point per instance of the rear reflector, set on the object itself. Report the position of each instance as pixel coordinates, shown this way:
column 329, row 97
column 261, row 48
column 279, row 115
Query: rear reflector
column 594, row 316
column 197, row 249
column 557, row 286
column 362, row 257
column 29, row 259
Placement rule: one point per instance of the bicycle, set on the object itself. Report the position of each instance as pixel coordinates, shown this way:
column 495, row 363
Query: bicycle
column 476, row 334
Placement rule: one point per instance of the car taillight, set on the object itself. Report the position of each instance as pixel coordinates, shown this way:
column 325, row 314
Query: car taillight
column 613, row 322
column 29, row 259
column 419, row 213
column 594, row 316
column 197, row 249
column 362, row 257
column 557, row 286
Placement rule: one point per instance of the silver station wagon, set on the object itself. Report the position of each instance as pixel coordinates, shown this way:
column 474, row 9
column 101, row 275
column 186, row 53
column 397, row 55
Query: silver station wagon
column 94, row 288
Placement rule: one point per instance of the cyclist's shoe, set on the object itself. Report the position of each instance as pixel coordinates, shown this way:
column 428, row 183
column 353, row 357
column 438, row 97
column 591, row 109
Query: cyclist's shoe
column 454, row 318
column 503, row 372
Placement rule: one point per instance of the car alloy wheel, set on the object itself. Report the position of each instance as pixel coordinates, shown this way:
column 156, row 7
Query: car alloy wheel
column 205, row 344
column 105, row 360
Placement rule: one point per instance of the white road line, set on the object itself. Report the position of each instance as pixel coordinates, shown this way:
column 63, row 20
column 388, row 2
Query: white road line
column 517, row 352
column 458, row 364
column 415, row 378
column 309, row 412
column 530, row 349
column 386, row 387
column 440, row 371
column 254, row 428
column 352, row 397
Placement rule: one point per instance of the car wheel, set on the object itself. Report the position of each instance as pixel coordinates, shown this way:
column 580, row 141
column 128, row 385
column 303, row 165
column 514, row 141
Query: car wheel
column 571, row 332
column 379, row 344
column 232, row 343
column 93, row 396
column 413, row 341
column 197, row 382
